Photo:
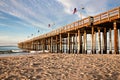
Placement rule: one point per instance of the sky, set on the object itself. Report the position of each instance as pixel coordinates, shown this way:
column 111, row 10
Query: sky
column 19, row 19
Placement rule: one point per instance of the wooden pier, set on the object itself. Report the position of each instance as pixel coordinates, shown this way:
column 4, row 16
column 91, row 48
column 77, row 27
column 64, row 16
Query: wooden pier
column 72, row 38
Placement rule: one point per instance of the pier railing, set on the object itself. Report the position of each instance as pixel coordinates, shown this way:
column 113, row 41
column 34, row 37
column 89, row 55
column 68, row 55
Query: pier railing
column 107, row 16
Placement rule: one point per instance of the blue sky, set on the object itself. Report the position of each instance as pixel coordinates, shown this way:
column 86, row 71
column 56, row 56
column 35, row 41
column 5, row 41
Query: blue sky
column 21, row 18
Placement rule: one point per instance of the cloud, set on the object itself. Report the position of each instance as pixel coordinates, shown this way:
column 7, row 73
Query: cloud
column 2, row 17
column 5, row 40
column 27, row 14
column 11, row 40
column 35, row 13
column 92, row 7
column 2, row 24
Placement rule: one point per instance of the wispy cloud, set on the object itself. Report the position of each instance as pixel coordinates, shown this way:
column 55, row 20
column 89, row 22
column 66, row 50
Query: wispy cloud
column 37, row 13
column 8, row 40
column 92, row 7
column 16, row 8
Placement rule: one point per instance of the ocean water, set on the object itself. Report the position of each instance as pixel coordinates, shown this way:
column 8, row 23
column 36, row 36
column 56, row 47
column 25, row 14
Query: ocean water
column 8, row 48
column 14, row 51
column 11, row 51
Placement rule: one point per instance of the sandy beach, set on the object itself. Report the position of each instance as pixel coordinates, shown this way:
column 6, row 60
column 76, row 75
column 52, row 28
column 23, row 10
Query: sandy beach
column 60, row 67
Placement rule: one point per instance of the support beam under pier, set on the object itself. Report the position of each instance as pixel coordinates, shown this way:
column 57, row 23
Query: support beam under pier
column 73, row 43
column 68, row 50
column 60, row 43
column 94, row 48
column 99, row 41
column 92, row 39
column 85, row 42
column 79, row 42
column 115, row 38
column 105, row 41
column 110, row 42
column 43, row 45
column 51, row 45
column 56, row 44
column 76, row 43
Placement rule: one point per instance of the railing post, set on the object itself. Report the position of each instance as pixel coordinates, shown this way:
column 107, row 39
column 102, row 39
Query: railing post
column 119, row 12
column 108, row 16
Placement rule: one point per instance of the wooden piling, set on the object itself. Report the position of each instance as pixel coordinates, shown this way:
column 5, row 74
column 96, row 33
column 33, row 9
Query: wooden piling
column 51, row 47
column 78, row 48
column 110, row 42
column 94, row 48
column 60, row 43
column 68, row 43
column 92, row 40
column 105, row 41
column 56, row 44
column 73, row 38
column 115, row 37
column 76, row 42
column 99, row 41
column 85, row 42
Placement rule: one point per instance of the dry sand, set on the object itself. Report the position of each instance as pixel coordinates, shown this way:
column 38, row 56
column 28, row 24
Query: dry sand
column 60, row 67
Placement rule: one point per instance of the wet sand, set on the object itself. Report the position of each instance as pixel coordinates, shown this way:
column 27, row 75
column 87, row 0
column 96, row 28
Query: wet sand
column 60, row 67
